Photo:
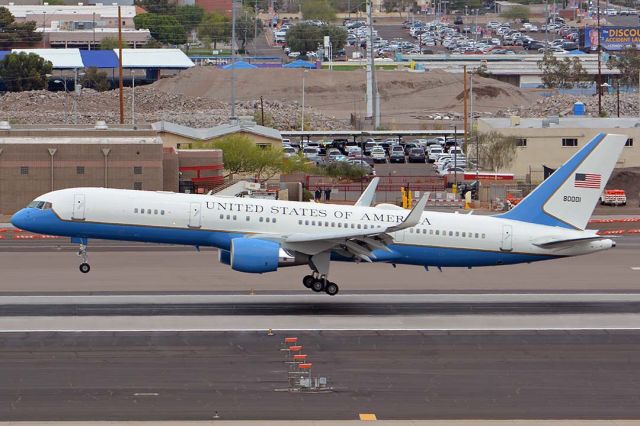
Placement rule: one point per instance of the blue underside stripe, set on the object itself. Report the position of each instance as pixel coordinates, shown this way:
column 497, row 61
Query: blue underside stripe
column 530, row 209
column 48, row 223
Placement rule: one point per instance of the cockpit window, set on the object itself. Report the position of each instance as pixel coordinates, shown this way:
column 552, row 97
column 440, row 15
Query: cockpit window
column 40, row 205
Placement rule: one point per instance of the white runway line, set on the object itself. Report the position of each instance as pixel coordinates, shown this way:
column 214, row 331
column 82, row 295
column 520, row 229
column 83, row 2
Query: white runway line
column 242, row 323
column 635, row 268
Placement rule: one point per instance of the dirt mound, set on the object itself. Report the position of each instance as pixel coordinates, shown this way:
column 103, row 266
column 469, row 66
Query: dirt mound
column 627, row 179
column 406, row 98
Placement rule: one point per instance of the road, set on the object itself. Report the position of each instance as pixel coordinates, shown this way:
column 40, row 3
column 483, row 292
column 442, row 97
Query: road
column 409, row 375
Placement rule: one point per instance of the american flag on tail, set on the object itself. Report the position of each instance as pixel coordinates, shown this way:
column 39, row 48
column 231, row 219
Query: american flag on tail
column 587, row 180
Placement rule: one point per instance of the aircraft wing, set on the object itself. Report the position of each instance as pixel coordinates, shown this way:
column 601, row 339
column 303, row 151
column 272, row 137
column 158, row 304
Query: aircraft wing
column 356, row 242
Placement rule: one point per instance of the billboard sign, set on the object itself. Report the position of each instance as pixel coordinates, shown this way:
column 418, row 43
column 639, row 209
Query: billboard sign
column 612, row 38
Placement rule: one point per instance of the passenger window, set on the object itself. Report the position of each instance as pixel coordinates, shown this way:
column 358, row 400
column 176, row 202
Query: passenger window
column 273, row 220
column 155, row 212
column 430, row 231
column 248, row 218
column 135, row 210
column 424, row 231
column 148, row 211
column 261, row 219
column 235, row 217
column 267, row 220
column 353, row 226
column 339, row 225
column 306, row 222
column 483, row 235
column 457, row 234
column 326, row 224
column 221, row 216
column 333, row 224
column 365, row 226
column 300, row 222
column 228, row 217
column 161, row 212
column 477, row 235
column 464, row 234
column 451, row 233
column 437, row 232
column 359, row 227
column 313, row 223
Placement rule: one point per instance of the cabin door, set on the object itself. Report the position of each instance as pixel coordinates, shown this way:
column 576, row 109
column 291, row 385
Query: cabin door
column 78, row 207
column 507, row 237
column 195, row 217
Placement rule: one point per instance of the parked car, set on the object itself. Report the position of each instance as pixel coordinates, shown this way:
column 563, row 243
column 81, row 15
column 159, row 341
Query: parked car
column 397, row 154
column 362, row 164
column 289, row 151
column 434, row 151
column 416, row 155
column 378, row 155
column 452, row 171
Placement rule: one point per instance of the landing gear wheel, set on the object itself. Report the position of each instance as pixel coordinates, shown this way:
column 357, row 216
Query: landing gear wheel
column 331, row 289
column 308, row 281
column 84, row 268
column 318, row 285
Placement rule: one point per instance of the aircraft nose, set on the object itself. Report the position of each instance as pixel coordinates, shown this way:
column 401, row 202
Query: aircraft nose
column 21, row 219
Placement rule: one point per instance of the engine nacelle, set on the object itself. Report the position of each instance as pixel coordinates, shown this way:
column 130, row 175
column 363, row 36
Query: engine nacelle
column 254, row 255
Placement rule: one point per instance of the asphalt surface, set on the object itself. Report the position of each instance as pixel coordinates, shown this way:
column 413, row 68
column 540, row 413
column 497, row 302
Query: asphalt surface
column 553, row 375
column 50, row 267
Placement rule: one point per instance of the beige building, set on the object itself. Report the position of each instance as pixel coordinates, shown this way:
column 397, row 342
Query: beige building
column 178, row 136
column 552, row 141
column 36, row 160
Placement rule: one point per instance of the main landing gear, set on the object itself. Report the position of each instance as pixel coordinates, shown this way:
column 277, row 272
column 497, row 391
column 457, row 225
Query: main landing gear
column 318, row 281
column 319, row 284
column 84, row 266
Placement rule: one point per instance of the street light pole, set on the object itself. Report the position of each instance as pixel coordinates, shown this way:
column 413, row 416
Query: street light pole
column 233, row 60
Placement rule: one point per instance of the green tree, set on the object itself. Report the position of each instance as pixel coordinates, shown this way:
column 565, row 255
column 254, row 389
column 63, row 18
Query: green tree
column 189, row 16
column 497, row 151
column 12, row 32
column 628, row 62
column 22, row 71
column 516, row 12
column 215, row 27
column 304, row 38
column 166, row 29
column 562, row 74
column 343, row 170
column 318, row 10
column 55, row 2
column 245, row 27
column 109, row 43
column 95, row 79
column 337, row 35
column 163, row 7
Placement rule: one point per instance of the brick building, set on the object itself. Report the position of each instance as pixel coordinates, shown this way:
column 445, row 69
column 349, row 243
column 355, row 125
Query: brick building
column 34, row 161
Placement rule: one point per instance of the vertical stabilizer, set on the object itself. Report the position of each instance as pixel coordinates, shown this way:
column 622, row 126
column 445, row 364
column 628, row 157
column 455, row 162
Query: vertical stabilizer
column 567, row 198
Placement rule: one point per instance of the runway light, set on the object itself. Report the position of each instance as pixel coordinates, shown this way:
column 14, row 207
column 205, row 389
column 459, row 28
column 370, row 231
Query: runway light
column 270, row 332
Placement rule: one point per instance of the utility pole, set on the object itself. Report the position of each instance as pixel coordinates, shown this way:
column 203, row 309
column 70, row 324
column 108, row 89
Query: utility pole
column 120, row 73
column 374, row 89
column 233, row 61
column 369, row 41
column 466, row 112
column 262, row 110
column 599, row 64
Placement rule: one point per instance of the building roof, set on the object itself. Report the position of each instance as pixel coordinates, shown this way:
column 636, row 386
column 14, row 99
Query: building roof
column 108, row 140
column 154, row 58
column 583, row 122
column 105, row 11
column 60, row 58
column 99, row 58
column 217, row 131
column 131, row 58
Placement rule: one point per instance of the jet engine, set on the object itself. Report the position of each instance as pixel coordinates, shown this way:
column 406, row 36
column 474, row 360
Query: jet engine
column 258, row 256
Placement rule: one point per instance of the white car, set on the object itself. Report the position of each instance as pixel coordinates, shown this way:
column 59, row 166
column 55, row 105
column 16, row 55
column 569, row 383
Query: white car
column 289, row 151
column 451, row 171
column 378, row 155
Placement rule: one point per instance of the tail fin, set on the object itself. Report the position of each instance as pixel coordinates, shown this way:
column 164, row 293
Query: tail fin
column 567, row 198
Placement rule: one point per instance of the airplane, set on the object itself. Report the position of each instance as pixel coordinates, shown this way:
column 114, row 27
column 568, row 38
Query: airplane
column 260, row 236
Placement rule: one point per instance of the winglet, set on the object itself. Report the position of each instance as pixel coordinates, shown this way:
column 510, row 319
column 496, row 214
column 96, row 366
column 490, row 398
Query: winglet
column 414, row 216
column 366, row 199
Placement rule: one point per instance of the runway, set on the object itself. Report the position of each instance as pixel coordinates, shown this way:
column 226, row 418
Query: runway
column 50, row 267
column 411, row 375
column 170, row 334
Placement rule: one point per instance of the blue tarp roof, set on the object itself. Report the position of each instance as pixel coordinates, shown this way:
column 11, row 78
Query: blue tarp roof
column 4, row 53
column 240, row 65
column 99, row 58
column 300, row 64
column 576, row 52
